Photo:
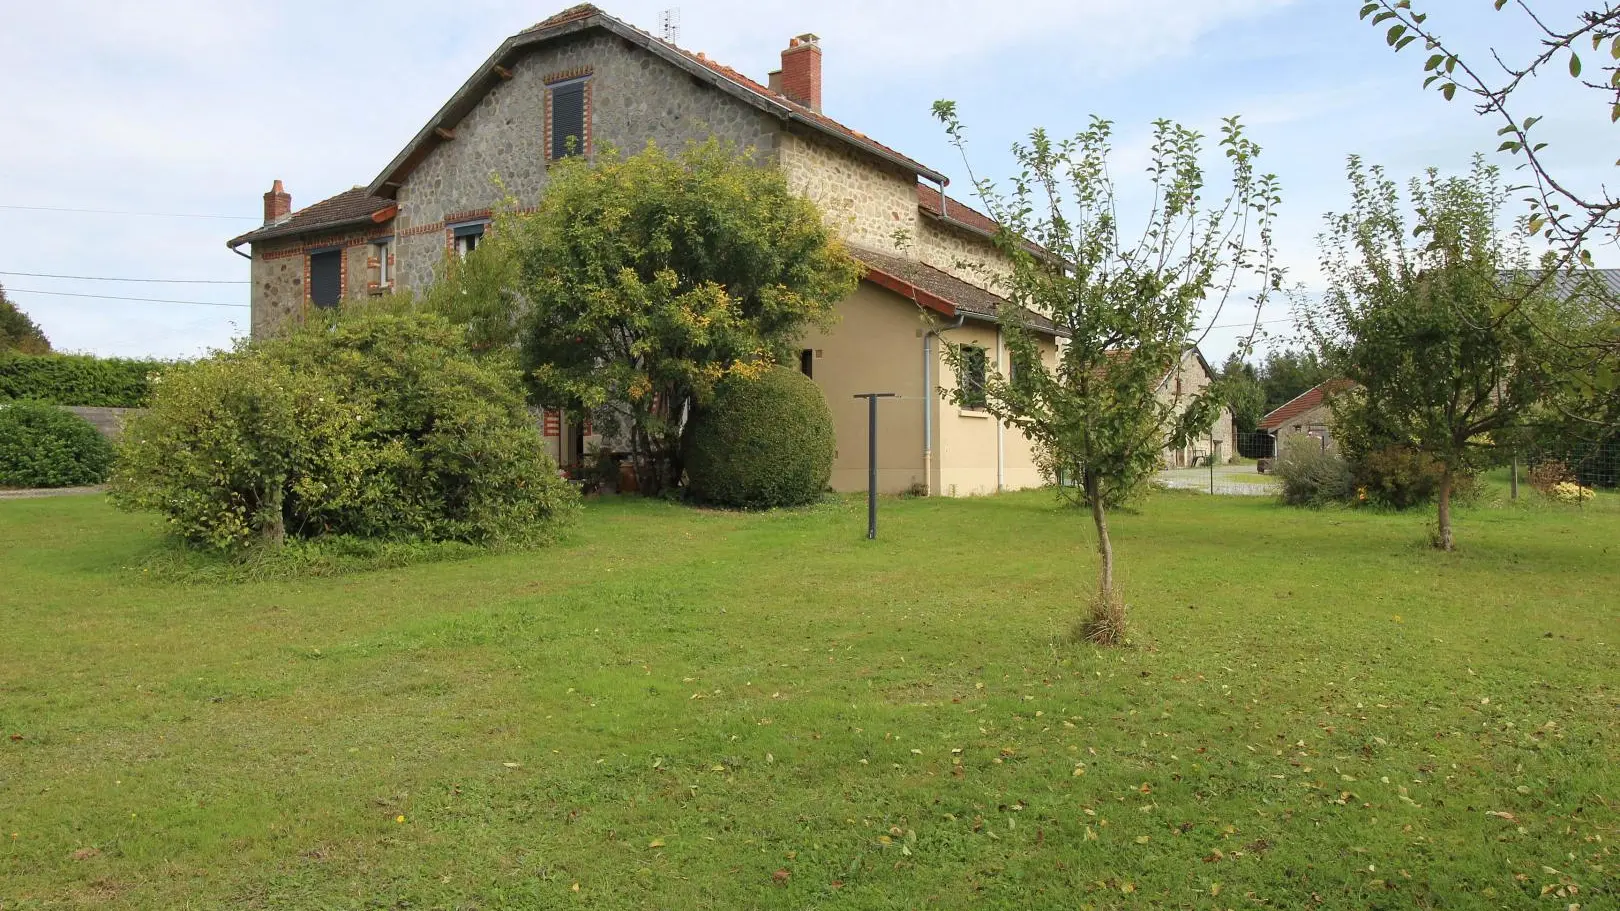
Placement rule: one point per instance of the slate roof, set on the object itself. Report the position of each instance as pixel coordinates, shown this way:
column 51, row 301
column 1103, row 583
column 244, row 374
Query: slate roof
column 1302, row 403
column 1567, row 283
column 939, row 291
column 351, row 207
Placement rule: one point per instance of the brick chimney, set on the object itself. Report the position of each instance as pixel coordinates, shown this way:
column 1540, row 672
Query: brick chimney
column 800, row 75
column 277, row 205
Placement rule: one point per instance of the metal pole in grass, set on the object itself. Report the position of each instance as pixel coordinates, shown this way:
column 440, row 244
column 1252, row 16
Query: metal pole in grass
column 1212, row 463
column 871, row 459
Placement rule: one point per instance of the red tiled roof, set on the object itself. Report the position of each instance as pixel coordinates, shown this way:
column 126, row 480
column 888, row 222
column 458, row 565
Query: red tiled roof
column 1302, row 403
column 349, row 207
column 939, row 291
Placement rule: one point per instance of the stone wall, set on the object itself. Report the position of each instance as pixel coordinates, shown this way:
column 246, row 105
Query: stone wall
column 633, row 98
column 280, row 274
column 968, row 256
column 862, row 198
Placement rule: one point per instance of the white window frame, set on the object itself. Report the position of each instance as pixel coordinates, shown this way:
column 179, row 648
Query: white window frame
column 382, row 247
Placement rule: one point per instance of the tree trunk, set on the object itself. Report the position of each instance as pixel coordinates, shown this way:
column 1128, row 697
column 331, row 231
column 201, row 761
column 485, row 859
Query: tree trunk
column 272, row 524
column 1105, row 547
column 1443, row 540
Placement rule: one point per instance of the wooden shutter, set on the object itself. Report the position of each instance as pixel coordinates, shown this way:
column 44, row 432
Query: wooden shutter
column 568, row 120
column 326, row 278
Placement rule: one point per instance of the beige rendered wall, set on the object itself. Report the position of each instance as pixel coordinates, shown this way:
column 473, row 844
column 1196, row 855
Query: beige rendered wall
column 876, row 346
column 968, row 446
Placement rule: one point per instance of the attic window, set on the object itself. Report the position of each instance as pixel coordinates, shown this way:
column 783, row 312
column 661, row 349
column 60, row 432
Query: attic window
column 568, row 119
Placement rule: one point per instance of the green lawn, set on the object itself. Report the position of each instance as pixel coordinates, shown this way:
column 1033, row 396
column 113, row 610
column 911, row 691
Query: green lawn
column 684, row 709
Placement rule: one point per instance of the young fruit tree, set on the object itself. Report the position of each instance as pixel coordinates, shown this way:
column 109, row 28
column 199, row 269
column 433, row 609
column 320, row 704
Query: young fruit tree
column 647, row 279
column 1129, row 307
column 1437, row 321
column 1570, row 205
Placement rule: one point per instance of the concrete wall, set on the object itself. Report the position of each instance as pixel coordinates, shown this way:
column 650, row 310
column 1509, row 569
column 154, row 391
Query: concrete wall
column 876, row 346
column 110, row 421
column 633, row 98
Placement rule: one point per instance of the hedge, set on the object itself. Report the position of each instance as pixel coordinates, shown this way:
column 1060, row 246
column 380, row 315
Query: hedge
column 76, row 379
column 45, row 446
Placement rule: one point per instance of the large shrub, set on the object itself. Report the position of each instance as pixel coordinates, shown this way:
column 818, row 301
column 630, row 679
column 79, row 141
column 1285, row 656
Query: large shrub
column 44, row 446
column 1310, row 474
column 761, row 441
column 377, row 425
column 77, row 379
column 1396, row 476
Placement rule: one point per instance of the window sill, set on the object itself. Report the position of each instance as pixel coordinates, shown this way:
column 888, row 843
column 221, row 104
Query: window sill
column 973, row 413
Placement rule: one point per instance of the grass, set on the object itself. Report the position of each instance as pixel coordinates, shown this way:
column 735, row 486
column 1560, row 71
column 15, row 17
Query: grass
column 685, row 709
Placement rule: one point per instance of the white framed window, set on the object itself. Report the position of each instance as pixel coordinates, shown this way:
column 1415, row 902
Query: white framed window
column 380, row 249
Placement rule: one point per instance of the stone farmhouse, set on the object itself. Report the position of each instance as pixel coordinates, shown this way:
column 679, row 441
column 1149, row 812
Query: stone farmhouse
column 584, row 79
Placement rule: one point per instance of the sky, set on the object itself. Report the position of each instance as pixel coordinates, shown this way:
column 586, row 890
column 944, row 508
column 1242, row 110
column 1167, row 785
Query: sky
column 170, row 118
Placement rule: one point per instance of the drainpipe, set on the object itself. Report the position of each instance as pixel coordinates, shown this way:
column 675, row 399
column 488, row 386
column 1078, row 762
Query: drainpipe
column 1001, row 448
column 930, row 398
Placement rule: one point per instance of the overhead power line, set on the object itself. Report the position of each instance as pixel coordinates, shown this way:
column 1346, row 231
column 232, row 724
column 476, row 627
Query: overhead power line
column 114, row 297
column 159, row 281
column 125, row 212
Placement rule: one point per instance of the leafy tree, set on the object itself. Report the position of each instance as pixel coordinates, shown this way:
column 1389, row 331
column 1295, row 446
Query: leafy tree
column 1128, row 304
column 1439, row 332
column 1569, row 212
column 1561, row 210
column 1242, row 391
column 18, row 333
column 644, row 280
column 1288, row 374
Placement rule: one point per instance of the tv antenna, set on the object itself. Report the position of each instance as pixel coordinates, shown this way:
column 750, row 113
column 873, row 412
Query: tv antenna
column 670, row 22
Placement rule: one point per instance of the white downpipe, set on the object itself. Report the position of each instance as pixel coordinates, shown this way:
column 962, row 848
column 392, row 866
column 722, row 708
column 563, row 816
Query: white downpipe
column 930, row 399
column 1001, row 444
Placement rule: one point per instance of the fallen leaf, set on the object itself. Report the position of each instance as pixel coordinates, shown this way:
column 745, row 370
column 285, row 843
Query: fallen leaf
column 780, row 877
column 656, row 843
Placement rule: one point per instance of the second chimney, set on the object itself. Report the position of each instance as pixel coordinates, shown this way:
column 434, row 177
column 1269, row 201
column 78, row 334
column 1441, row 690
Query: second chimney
column 800, row 76
column 277, row 205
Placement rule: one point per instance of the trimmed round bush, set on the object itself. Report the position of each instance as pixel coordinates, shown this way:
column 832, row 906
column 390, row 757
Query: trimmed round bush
column 761, row 442
column 45, row 446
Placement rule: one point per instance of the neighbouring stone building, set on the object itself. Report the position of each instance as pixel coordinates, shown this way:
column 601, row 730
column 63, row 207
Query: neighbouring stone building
column 582, row 80
column 1309, row 414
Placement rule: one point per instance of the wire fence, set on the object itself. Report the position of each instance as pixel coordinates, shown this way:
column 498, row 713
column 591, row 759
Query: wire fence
column 1246, row 475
